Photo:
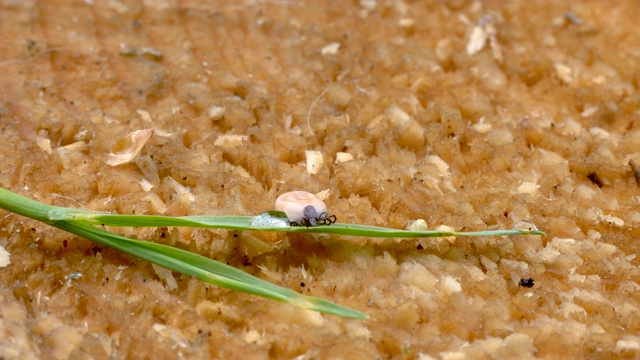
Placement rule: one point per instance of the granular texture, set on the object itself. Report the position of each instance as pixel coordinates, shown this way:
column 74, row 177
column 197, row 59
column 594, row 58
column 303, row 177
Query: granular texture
column 471, row 115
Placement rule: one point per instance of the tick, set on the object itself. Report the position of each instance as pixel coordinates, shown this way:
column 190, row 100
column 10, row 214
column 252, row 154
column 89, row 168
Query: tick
column 304, row 209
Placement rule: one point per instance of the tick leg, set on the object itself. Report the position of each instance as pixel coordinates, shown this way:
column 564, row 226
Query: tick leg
column 312, row 218
column 326, row 220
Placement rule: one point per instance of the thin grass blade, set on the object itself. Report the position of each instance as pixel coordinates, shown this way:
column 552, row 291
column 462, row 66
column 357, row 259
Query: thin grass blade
column 205, row 269
column 245, row 223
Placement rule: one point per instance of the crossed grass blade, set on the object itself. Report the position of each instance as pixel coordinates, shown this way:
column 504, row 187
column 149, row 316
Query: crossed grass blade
column 172, row 258
column 81, row 222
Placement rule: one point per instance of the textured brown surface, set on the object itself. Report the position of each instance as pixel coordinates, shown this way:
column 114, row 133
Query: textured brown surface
column 523, row 122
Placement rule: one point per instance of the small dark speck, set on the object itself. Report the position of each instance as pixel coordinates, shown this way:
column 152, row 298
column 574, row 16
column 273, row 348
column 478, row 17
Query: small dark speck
column 302, row 284
column 64, row 243
column 163, row 235
column 526, row 282
column 235, row 235
column 573, row 18
column 419, row 247
column 184, row 178
column 595, row 178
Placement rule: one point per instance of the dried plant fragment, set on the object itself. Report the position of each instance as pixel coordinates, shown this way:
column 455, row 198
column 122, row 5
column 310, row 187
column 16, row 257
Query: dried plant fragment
column 126, row 149
column 417, row 225
column 4, row 257
column 564, row 72
column 496, row 50
column 611, row 220
column 411, row 134
column 144, row 114
column 314, row 161
column 44, row 144
column 485, row 30
column 230, row 141
column 330, row 49
column 343, row 157
column 216, row 112
column 481, row 126
column 145, row 51
column 528, row 188
column 477, row 40
column 181, row 191
column 166, row 275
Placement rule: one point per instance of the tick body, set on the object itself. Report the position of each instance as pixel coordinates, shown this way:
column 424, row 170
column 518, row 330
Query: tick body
column 304, row 209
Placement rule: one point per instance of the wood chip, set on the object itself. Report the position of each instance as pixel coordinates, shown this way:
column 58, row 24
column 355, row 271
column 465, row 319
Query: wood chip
column 128, row 147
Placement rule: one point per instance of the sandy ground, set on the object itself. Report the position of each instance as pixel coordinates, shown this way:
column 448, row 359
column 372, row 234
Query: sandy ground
column 469, row 114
